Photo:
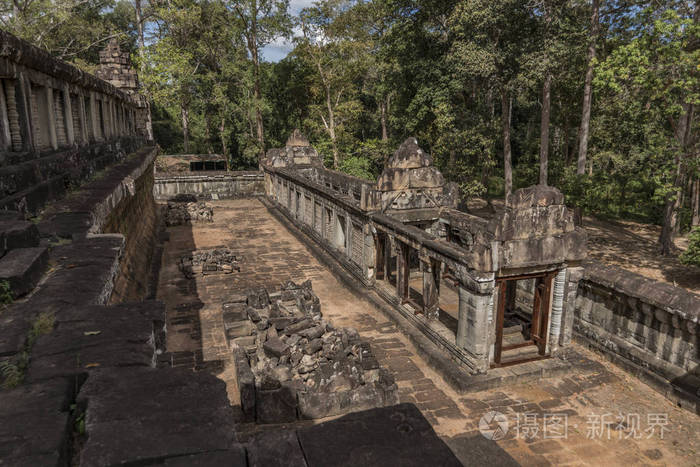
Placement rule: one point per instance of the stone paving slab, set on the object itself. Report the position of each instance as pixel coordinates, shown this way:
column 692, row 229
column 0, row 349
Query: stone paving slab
column 34, row 423
column 143, row 415
column 397, row 435
column 590, row 389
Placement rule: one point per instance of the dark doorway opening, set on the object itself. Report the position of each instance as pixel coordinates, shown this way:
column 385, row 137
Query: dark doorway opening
column 522, row 318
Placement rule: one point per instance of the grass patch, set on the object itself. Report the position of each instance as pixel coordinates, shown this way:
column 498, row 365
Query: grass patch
column 5, row 293
column 12, row 370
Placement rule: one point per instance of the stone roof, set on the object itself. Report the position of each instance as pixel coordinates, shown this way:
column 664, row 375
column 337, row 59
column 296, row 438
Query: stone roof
column 409, row 156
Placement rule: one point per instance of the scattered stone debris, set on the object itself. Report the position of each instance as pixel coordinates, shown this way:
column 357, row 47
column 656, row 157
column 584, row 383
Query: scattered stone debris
column 205, row 262
column 179, row 213
column 291, row 363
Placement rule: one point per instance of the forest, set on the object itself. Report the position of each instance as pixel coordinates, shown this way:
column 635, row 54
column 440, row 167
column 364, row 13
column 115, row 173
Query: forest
column 596, row 97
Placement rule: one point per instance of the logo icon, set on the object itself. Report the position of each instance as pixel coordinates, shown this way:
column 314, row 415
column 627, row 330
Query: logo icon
column 493, row 425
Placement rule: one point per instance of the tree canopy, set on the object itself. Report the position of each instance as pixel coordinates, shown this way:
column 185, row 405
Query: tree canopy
column 596, row 97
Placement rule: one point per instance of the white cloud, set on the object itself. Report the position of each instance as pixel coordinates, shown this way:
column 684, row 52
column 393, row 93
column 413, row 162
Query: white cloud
column 295, row 6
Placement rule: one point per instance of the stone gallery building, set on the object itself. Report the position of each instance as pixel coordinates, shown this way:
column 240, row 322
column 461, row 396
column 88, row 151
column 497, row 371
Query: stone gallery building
column 493, row 290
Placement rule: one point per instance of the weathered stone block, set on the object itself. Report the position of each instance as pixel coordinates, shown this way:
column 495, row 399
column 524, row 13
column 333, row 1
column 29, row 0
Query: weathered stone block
column 239, row 329
column 275, row 448
column 274, row 347
column 23, row 268
column 277, row 405
column 246, row 384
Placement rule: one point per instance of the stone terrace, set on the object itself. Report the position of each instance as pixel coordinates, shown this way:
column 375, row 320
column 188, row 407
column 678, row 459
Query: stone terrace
column 592, row 396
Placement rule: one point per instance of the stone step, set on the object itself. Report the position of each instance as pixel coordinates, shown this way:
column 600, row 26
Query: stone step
column 16, row 233
column 23, row 268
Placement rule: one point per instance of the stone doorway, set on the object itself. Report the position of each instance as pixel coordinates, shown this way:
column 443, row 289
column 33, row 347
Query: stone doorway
column 522, row 318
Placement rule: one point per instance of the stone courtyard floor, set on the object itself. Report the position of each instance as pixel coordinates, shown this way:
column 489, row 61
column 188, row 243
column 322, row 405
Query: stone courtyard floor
column 581, row 419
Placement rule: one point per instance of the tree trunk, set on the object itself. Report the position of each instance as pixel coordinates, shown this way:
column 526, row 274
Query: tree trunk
column 565, row 138
column 588, row 92
column 695, row 203
column 682, row 134
column 544, row 128
column 207, row 134
column 224, row 148
column 331, row 128
column 506, row 107
column 382, row 118
column 666, row 243
column 142, row 66
column 185, row 129
column 257, row 94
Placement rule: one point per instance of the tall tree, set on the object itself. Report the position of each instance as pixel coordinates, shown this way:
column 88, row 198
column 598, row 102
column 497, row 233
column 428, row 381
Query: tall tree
column 584, row 128
column 261, row 22
column 336, row 62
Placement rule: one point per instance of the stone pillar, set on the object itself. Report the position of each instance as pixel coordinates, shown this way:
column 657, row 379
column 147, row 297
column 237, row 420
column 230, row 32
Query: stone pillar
column 13, row 115
column 473, row 324
column 402, row 271
column 68, row 116
column 348, row 235
column 369, row 254
column 83, row 119
column 568, row 310
column 431, row 288
column 23, row 92
column 5, row 135
column 557, row 307
column 95, row 120
column 52, row 117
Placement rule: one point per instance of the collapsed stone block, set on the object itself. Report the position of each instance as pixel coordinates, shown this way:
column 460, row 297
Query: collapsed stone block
column 205, row 262
column 188, row 213
column 303, row 367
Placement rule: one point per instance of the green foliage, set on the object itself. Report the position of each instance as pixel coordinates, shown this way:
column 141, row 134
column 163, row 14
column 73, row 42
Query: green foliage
column 12, row 371
column 365, row 75
column 42, row 324
column 5, row 293
column 691, row 256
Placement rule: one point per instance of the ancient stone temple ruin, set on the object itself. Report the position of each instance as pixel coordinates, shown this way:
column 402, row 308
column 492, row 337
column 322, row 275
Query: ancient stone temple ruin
column 164, row 310
column 492, row 290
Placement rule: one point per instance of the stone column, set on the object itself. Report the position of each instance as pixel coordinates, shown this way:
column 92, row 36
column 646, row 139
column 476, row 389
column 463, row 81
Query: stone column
column 555, row 321
column 369, row 254
column 83, row 119
column 473, row 325
column 568, row 310
column 23, row 91
column 402, row 277
column 5, row 135
column 68, row 115
column 13, row 115
column 348, row 235
column 96, row 133
column 387, row 257
column 52, row 117
column 431, row 288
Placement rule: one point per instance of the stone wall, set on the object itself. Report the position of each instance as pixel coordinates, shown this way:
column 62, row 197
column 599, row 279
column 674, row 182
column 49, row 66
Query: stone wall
column 58, row 126
column 209, row 185
column 648, row 327
column 136, row 218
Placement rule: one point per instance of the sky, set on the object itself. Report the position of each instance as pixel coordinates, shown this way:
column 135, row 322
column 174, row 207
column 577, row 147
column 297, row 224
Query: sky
column 279, row 49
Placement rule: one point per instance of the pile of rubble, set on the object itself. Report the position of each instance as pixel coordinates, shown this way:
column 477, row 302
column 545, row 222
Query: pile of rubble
column 291, row 363
column 204, row 262
column 187, row 213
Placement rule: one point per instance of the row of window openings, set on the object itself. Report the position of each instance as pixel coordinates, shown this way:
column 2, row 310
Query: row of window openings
column 41, row 122
column 338, row 236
